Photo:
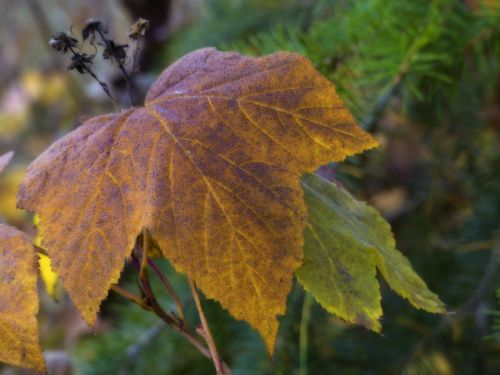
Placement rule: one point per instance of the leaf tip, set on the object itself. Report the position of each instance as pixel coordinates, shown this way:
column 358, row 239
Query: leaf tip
column 371, row 323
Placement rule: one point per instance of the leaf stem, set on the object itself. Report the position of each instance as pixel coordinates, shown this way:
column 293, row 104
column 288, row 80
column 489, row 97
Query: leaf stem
column 126, row 76
column 177, row 326
column 204, row 331
column 143, row 270
column 149, row 302
column 129, row 295
column 145, row 286
column 168, row 287
column 103, row 85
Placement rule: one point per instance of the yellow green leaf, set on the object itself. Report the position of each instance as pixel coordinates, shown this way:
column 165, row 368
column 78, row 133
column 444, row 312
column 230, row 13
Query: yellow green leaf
column 346, row 242
column 19, row 338
column 211, row 166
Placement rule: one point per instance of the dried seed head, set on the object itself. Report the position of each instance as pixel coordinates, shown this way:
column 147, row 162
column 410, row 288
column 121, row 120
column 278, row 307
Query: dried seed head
column 62, row 42
column 91, row 27
column 117, row 52
column 80, row 62
column 138, row 29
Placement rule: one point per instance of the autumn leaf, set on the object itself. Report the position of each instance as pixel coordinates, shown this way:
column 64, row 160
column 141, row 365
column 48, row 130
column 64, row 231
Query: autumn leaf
column 19, row 339
column 5, row 159
column 346, row 242
column 211, row 166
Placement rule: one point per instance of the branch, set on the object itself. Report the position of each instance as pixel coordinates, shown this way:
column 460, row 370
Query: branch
column 392, row 87
column 146, row 305
column 126, row 77
column 103, row 85
column 145, row 287
column 150, row 303
column 204, row 331
column 130, row 296
column 169, row 288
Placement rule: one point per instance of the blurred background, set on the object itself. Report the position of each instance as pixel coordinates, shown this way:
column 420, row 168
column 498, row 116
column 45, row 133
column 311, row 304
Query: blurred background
column 422, row 75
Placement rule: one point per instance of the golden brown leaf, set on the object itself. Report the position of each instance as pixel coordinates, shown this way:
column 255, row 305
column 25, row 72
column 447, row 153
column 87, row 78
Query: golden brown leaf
column 211, row 166
column 19, row 342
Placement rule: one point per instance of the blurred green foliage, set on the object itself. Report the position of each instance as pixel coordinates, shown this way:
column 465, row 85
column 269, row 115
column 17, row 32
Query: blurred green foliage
column 495, row 335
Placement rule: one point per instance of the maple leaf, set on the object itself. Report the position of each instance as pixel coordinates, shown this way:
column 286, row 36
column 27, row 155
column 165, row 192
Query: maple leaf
column 211, row 166
column 19, row 339
column 346, row 242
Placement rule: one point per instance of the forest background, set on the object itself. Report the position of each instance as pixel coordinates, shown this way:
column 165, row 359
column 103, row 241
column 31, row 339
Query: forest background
column 422, row 76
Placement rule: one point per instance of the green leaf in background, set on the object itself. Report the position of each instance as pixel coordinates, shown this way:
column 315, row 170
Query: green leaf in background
column 346, row 241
